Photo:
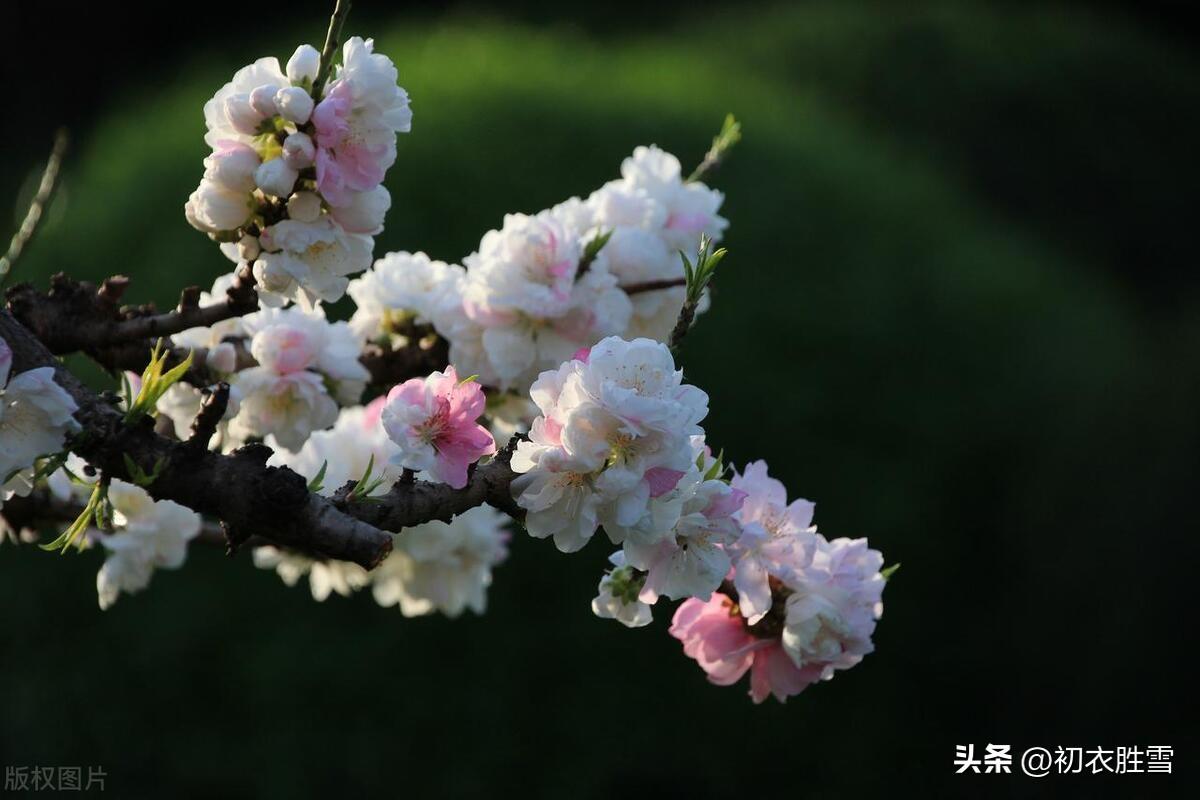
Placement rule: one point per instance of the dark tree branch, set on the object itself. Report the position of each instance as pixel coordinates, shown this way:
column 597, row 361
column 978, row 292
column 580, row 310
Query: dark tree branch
column 392, row 366
column 239, row 488
column 75, row 316
column 412, row 502
column 652, row 286
column 212, row 411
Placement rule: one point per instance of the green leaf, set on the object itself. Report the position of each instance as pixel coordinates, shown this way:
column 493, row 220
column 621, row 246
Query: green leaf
column 890, row 571
column 98, row 508
column 154, row 383
column 318, row 482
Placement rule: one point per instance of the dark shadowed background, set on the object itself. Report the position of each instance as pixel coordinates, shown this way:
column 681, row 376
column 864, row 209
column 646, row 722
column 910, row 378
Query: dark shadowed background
column 959, row 312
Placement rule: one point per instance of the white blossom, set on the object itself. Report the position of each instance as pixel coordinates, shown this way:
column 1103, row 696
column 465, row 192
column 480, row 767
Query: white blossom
column 309, row 261
column 324, row 577
column 617, row 596
column 402, row 287
column 614, row 434
column 221, row 355
column 35, row 418
column 294, row 104
column 276, row 178
column 301, row 358
column 148, row 535
column 443, row 567
column 229, row 114
column 304, row 64
column 365, row 211
column 835, row 602
column 528, row 305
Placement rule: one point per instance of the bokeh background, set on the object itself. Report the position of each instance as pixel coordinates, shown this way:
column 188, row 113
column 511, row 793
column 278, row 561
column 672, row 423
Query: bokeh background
column 959, row 312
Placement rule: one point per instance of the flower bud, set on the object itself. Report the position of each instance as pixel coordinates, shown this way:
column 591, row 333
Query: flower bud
column 248, row 248
column 213, row 208
column 304, row 207
column 241, row 114
column 294, row 104
column 262, row 100
column 298, row 151
column 271, row 274
column 365, row 212
column 232, row 165
column 303, row 64
column 276, row 178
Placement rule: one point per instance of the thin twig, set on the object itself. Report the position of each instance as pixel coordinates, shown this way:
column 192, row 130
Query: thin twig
column 652, row 286
column 37, row 207
column 333, row 36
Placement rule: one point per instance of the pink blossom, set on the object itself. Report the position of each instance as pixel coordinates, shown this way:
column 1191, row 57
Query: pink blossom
column 715, row 634
column 663, row 480
column 433, row 421
column 347, row 162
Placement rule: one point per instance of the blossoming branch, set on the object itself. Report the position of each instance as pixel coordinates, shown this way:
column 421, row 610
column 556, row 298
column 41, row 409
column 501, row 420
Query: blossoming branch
column 532, row 386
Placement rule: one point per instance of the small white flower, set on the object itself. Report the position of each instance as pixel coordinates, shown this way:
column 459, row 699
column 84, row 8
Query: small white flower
column 262, row 100
column 301, row 356
column 276, row 178
column 229, row 115
column 149, row 535
column 310, row 261
column 324, row 577
column 35, row 416
column 443, row 567
column 213, row 208
column 624, row 606
column 614, row 435
column 835, row 603
column 365, row 211
column 304, row 64
column 294, row 104
column 299, row 151
column 404, row 285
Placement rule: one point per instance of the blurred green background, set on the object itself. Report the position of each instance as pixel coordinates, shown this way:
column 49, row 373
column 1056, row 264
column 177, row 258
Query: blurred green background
column 959, row 312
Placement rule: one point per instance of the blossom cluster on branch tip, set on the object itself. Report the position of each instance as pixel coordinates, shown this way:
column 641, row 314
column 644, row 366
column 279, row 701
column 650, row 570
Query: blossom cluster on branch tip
column 433, row 567
column 293, row 185
column 618, row 445
column 795, row 608
column 35, row 418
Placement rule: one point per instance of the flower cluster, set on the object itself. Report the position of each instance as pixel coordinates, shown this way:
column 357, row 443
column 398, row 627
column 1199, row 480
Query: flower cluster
column 35, row 418
column 798, row 607
column 561, row 314
column 611, row 447
column 307, row 367
column 527, row 306
column 293, row 185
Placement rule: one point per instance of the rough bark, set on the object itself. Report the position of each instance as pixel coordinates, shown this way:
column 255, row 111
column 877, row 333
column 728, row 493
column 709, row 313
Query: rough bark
column 248, row 496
